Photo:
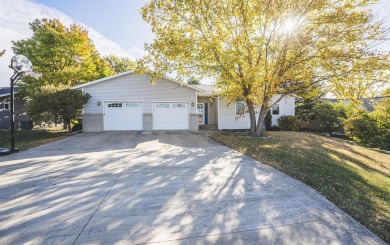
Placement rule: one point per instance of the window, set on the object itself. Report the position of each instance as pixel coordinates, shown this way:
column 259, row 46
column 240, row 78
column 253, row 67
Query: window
column 179, row 105
column 134, row 105
column 275, row 109
column 115, row 105
column 7, row 106
column 240, row 108
column 162, row 105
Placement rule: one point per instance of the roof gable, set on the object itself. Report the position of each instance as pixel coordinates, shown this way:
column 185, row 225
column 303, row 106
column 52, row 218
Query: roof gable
column 6, row 91
column 128, row 73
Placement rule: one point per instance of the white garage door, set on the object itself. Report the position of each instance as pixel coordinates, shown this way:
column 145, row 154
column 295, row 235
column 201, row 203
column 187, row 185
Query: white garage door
column 121, row 115
column 170, row 116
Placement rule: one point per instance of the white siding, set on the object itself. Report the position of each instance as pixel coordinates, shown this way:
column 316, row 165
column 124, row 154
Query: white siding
column 227, row 117
column 286, row 108
column 137, row 88
column 227, row 114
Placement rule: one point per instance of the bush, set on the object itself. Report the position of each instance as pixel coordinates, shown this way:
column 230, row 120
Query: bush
column 361, row 128
column 289, row 123
column 330, row 115
column 381, row 115
column 368, row 129
column 77, row 127
column 268, row 120
column 275, row 128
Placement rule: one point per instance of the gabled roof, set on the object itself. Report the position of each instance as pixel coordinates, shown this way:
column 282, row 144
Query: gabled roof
column 6, row 91
column 127, row 73
column 206, row 89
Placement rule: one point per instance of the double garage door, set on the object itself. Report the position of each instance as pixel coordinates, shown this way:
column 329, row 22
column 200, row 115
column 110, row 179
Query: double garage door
column 122, row 115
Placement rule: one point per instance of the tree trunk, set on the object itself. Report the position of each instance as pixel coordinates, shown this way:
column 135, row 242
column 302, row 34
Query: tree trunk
column 64, row 125
column 252, row 117
column 262, row 115
column 69, row 128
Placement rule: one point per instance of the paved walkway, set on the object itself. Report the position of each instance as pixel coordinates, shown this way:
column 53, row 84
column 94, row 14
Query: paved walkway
column 168, row 188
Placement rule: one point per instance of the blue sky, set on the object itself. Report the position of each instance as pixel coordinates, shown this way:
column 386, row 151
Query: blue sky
column 116, row 26
column 121, row 21
column 118, row 20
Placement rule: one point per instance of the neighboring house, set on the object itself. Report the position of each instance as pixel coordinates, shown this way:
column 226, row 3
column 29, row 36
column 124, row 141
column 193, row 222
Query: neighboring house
column 21, row 118
column 127, row 101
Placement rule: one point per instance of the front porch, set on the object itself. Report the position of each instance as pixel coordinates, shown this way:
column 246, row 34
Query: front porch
column 207, row 110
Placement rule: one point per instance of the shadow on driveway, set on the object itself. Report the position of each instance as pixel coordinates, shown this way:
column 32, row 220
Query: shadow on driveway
column 171, row 187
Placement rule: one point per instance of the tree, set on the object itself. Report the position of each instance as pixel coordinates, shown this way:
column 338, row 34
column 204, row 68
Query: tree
column 56, row 104
column 120, row 64
column 193, row 81
column 386, row 92
column 63, row 55
column 257, row 49
column 304, row 108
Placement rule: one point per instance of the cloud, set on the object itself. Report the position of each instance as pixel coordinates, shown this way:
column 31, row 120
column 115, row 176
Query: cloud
column 14, row 18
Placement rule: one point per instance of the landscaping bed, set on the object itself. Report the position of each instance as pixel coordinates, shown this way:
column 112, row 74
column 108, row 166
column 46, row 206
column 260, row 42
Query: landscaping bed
column 354, row 178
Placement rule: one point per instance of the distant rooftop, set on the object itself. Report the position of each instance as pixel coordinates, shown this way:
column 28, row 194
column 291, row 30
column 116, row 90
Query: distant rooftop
column 368, row 104
column 6, row 91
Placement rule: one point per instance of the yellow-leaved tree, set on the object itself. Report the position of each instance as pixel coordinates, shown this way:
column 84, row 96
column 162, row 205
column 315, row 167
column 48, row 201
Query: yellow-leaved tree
column 256, row 49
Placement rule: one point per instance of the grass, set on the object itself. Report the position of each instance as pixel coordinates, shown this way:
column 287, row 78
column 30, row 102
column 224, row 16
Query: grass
column 26, row 139
column 354, row 178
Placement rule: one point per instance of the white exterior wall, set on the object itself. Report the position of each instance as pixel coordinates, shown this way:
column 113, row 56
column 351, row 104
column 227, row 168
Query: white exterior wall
column 227, row 117
column 286, row 108
column 137, row 88
column 228, row 120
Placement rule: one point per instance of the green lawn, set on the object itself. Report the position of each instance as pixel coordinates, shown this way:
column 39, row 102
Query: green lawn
column 354, row 178
column 26, row 139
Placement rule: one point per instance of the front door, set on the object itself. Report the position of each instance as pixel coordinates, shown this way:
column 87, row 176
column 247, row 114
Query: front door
column 200, row 111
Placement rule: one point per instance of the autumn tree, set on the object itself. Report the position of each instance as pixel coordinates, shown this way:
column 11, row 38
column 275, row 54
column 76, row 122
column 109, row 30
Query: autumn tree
column 63, row 55
column 120, row 64
column 56, row 104
column 256, row 49
column 386, row 92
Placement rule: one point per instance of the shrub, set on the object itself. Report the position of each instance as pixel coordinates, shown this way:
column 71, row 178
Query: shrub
column 289, row 123
column 330, row 115
column 268, row 120
column 361, row 128
column 381, row 115
column 275, row 128
column 369, row 129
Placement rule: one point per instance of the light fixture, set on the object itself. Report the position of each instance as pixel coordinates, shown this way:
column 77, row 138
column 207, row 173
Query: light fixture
column 99, row 103
column 192, row 104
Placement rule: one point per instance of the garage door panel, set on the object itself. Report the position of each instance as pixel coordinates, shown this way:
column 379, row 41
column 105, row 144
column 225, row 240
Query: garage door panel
column 170, row 116
column 121, row 115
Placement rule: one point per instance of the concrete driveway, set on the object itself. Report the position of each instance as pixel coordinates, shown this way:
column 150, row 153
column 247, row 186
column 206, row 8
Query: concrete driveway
column 169, row 188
